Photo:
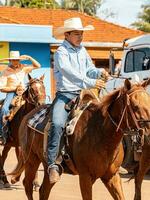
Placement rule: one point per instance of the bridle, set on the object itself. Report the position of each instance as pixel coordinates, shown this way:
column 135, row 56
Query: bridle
column 31, row 94
column 128, row 110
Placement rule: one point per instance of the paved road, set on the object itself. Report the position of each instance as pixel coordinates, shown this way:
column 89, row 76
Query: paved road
column 68, row 187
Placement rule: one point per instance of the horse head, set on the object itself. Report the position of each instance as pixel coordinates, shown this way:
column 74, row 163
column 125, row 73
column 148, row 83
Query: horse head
column 139, row 105
column 128, row 107
column 35, row 92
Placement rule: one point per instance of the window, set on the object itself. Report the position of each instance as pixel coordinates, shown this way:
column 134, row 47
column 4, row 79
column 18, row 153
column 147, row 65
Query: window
column 137, row 60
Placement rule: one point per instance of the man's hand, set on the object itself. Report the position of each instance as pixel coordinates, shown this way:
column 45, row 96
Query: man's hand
column 20, row 90
column 100, row 84
column 25, row 57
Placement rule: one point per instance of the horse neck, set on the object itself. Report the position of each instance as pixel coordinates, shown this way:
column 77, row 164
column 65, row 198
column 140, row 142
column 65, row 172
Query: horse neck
column 28, row 107
column 97, row 128
column 113, row 135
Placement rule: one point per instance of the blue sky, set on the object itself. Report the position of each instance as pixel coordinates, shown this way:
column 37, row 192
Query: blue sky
column 126, row 11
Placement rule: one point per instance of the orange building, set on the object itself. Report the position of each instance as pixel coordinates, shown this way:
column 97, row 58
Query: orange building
column 99, row 42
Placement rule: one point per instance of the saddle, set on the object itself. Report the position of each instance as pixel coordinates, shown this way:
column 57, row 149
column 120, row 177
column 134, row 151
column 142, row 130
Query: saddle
column 40, row 122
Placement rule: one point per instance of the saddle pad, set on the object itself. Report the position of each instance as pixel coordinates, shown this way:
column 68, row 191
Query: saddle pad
column 71, row 124
column 40, row 119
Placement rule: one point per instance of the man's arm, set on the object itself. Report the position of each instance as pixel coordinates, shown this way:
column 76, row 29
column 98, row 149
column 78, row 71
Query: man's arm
column 8, row 89
column 35, row 63
column 62, row 63
column 94, row 72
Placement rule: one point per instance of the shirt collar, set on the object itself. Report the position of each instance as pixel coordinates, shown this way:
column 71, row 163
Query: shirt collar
column 69, row 46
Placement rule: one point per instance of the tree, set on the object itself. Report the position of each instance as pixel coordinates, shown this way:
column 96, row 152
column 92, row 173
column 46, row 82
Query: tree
column 35, row 3
column 85, row 6
column 143, row 23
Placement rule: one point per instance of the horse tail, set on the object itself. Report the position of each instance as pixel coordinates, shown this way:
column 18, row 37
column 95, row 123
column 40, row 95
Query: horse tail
column 24, row 151
column 26, row 141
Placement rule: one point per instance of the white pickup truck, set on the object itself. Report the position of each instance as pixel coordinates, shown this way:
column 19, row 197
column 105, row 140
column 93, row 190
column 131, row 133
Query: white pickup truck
column 135, row 66
column 135, row 63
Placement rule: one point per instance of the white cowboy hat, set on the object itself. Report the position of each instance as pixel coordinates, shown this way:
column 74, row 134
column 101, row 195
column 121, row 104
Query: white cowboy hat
column 13, row 55
column 71, row 25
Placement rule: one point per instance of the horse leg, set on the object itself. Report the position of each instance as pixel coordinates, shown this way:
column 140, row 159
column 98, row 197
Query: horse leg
column 5, row 153
column 86, row 186
column 143, row 168
column 45, row 187
column 36, row 182
column 2, row 161
column 31, row 168
column 1, row 173
column 15, row 179
column 114, row 186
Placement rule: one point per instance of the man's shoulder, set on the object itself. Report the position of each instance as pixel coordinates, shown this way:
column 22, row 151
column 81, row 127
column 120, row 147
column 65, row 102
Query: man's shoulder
column 62, row 50
column 7, row 71
column 83, row 49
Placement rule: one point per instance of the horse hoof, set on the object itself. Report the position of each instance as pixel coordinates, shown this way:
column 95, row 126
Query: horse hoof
column 1, row 184
column 7, row 185
column 36, row 187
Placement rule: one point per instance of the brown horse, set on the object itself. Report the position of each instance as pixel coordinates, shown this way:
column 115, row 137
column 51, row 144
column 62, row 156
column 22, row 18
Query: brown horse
column 95, row 147
column 34, row 96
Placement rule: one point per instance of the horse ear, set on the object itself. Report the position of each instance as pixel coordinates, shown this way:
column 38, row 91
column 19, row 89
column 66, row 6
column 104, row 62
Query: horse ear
column 146, row 83
column 42, row 77
column 29, row 77
column 127, row 84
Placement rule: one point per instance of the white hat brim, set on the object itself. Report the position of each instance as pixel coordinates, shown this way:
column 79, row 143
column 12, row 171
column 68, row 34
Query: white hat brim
column 61, row 30
column 2, row 59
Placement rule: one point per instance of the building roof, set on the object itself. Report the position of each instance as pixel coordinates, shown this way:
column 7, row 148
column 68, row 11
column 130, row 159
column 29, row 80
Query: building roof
column 104, row 31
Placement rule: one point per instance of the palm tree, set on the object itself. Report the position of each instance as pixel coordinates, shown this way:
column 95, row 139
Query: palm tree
column 85, row 6
column 143, row 23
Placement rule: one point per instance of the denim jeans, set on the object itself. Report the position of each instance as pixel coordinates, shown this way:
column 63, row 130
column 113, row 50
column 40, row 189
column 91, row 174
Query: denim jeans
column 58, row 120
column 5, row 111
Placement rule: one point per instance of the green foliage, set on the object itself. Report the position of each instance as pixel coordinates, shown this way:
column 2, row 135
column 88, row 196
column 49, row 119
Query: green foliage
column 85, row 6
column 143, row 23
column 35, row 3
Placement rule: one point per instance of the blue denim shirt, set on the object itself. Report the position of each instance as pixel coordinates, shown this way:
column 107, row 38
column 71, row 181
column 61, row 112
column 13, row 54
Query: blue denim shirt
column 73, row 68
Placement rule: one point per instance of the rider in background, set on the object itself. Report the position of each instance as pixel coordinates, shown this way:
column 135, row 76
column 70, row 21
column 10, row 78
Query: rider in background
column 12, row 83
column 74, row 71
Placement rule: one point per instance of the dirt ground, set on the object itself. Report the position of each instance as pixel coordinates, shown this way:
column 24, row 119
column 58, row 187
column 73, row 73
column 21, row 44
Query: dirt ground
column 68, row 187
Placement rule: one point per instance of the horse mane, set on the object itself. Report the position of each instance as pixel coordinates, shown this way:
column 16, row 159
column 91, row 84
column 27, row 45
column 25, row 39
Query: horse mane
column 108, row 99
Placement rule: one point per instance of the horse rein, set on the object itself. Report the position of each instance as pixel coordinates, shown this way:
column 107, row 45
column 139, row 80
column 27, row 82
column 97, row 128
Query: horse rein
column 130, row 131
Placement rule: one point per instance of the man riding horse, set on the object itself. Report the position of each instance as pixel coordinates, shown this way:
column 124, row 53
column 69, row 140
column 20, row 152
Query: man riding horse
column 74, row 71
column 12, row 83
